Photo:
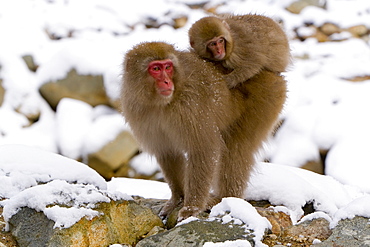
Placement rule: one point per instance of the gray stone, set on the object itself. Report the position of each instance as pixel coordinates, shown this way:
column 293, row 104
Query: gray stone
column 32, row 235
column 349, row 232
column 196, row 233
column 87, row 88
column 309, row 230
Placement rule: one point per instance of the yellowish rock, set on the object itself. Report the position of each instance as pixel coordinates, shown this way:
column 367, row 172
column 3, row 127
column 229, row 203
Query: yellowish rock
column 114, row 154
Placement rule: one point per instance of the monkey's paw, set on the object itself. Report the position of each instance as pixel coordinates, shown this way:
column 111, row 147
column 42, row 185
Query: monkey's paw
column 231, row 82
column 169, row 207
column 188, row 211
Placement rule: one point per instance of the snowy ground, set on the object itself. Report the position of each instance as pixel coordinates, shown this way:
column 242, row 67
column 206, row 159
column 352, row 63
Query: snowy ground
column 324, row 111
column 39, row 179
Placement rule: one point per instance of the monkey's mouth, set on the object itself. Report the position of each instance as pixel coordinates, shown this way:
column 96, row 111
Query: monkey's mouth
column 166, row 92
column 219, row 56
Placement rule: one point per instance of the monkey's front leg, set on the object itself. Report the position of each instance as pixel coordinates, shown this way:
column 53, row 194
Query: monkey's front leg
column 172, row 165
column 199, row 175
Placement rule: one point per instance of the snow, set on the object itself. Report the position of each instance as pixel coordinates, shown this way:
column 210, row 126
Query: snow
column 140, row 187
column 144, row 164
column 324, row 110
column 73, row 120
column 37, row 179
column 236, row 243
column 32, row 166
column 58, row 192
column 241, row 210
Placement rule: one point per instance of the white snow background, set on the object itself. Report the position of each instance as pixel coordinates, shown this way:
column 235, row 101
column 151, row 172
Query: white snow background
column 324, row 111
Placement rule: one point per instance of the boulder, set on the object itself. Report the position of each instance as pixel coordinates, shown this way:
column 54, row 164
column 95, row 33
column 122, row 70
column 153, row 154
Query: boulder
column 349, row 232
column 87, row 88
column 124, row 222
column 196, row 233
column 114, row 156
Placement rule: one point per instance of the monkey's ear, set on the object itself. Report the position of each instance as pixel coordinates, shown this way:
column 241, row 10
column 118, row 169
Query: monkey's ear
column 226, row 25
column 192, row 43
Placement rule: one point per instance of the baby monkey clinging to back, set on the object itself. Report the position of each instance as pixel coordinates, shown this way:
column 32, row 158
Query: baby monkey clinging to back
column 244, row 45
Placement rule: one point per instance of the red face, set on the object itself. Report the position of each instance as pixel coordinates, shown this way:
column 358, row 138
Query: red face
column 217, row 48
column 162, row 71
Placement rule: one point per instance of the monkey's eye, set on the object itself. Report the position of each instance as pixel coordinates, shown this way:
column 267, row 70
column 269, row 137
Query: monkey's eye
column 156, row 68
column 168, row 67
column 221, row 41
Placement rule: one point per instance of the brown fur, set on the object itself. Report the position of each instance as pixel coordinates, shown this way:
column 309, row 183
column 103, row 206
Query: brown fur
column 253, row 43
column 205, row 136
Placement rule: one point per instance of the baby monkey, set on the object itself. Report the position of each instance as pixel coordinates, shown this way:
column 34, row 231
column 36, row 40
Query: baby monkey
column 242, row 45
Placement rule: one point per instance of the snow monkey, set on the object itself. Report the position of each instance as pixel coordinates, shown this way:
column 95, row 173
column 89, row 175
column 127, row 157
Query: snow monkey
column 242, row 44
column 203, row 134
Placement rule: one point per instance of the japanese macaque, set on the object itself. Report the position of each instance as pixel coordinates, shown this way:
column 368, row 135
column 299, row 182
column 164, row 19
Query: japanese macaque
column 243, row 45
column 203, row 135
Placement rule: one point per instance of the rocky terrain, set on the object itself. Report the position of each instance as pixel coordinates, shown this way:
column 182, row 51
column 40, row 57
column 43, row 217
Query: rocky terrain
column 136, row 225
column 135, row 222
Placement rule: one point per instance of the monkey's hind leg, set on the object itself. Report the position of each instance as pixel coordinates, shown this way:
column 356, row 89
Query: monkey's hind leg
column 264, row 97
column 199, row 173
column 234, row 170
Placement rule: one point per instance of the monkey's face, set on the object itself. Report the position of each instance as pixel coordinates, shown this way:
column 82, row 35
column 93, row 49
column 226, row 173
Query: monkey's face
column 217, row 47
column 162, row 72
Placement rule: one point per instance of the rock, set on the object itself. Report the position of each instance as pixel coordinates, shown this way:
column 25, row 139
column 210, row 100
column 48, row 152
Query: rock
column 309, row 231
column 212, row 9
column 6, row 238
column 196, row 233
column 180, row 22
column 279, row 220
column 321, row 37
column 28, row 59
column 114, row 155
column 297, row 6
column 304, row 33
column 302, row 235
column 330, row 28
column 358, row 78
column 2, row 92
column 314, row 166
column 87, row 88
column 358, row 30
column 349, row 232
column 124, row 222
column 155, row 204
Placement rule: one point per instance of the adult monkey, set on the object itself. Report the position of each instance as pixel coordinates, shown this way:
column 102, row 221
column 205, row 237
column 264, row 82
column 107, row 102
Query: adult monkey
column 203, row 134
column 242, row 44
